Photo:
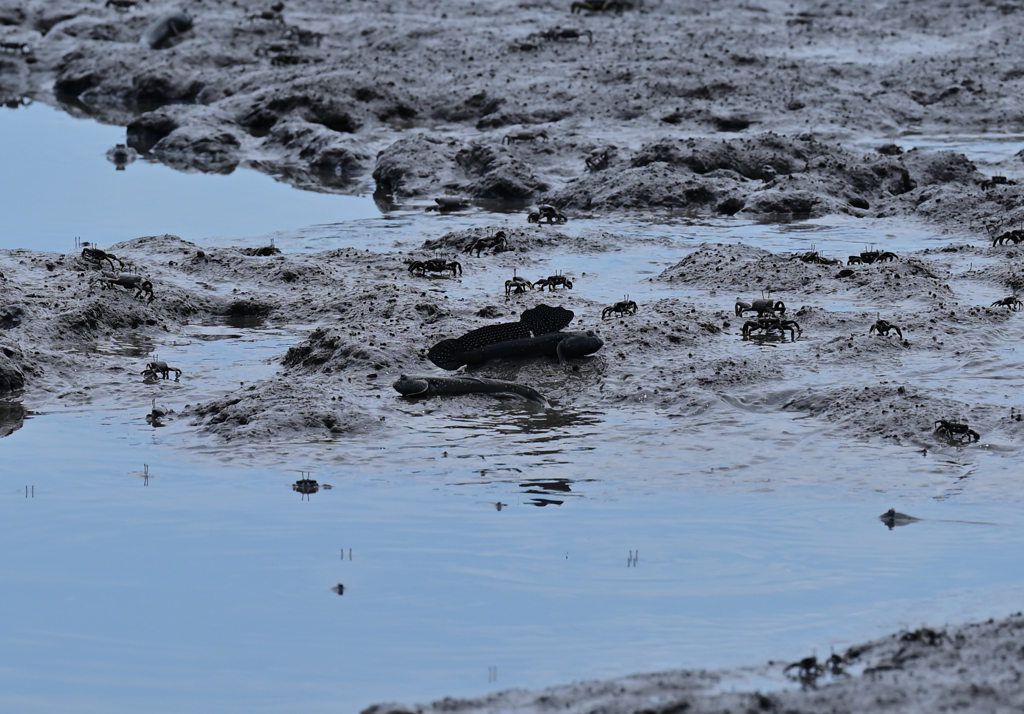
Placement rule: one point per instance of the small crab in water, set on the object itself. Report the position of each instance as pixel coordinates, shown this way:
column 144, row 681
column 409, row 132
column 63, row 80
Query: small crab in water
column 524, row 136
column 158, row 366
column 951, row 428
column 157, row 414
column 761, row 306
column 498, row 241
column 97, row 256
column 546, row 213
column 806, row 671
column 553, row 281
column 623, row 307
column 435, row 265
column 1011, row 301
column 131, row 282
column 882, row 327
column 770, row 325
column 449, row 204
column 517, row 285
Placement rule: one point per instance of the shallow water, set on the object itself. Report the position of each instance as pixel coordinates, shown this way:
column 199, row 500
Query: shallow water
column 625, row 541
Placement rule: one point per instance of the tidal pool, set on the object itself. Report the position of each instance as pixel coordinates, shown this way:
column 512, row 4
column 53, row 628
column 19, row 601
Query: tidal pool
column 500, row 546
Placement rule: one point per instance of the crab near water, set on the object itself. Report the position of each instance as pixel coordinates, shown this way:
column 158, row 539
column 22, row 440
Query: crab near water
column 599, row 160
column 951, row 428
column 623, row 307
column 121, row 5
column 524, row 136
column 601, row 6
column 158, row 366
column 882, row 327
column 130, row 282
column 769, row 326
column 499, row 242
column 435, row 265
column 565, row 33
column 1011, row 301
column 553, row 281
column 1014, row 236
column 517, row 285
column 546, row 213
column 812, row 256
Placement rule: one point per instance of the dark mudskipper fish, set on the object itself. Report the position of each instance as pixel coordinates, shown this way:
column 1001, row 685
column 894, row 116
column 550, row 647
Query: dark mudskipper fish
column 428, row 386
column 535, row 335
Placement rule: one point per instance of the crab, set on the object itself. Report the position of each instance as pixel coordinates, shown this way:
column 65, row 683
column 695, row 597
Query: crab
column 447, row 204
column 599, row 160
column 271, row 15
column 882, row 327
column 553, row 281
column 1014, row 236
column 97, row 256
column 601, row 6
column 121, row 5
column 546, row 213
column 760, row 306
column 1010, row 301
column 306, row 486
column 524, row 136
column 812, row 256
column 307, row 38
column 805, row 671
column 951, row 428
column 517, row 285
column 157, row 413
column 996, row 181
column 435, row 265
column 623, row 307
column 769, row 325
column 499, row 241
column 867, row 257
column 158, row 366
column 130, row 282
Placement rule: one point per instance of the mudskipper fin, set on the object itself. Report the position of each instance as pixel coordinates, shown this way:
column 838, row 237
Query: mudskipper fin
column 544, row 319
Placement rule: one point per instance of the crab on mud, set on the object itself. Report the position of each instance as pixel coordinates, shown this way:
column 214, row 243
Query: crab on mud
column 882, row 327
column 812, row 256
column 601, row 6
column 16, row 47
column 271, row 15
column 951, row 428
column 599, row 160
column 623, row 307
column 307, row 38
column 517, row 285
column 996, row 181
column 767, row 326
column 806, row 671
column 553, row 281
column 448, row 204
column 868, row 257
column 130, row 282
column 97, row 256
column 435, row 265
column 159, row 367
column 546, row 213
column 1011, row 301
column 761, row 306
column 1014, row 236
column 524, row 136
column 499, row 242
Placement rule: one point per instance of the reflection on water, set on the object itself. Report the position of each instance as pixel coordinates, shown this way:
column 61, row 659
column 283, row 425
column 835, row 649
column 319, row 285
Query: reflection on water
column 12, row 417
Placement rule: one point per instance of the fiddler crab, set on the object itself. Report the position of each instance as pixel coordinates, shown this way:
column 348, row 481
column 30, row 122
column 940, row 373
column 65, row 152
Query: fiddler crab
column 882, row 327
column 449, row 204
column 159, row 367
column 1015, row 236
column 1011, row 301
column 812, row 256
column 517, row 285
column 599, row 160
column 951, row 428
column 524, row 136
column 565, row 33
column 553, row 281
column 996, row 181
column 762, row 306
column 499, row 242
column 157, row 414
column 868, row 257
column 97, row 256
column 601, row 6
column 130, row 282
column 271, row 15
column 121, row 5
column 546, row 213
column 435, row 265
column 806, row 671
column 768, row 325
column 623, row 307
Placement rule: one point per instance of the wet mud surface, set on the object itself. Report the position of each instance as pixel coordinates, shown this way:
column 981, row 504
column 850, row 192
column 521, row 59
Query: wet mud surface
column 768, row 111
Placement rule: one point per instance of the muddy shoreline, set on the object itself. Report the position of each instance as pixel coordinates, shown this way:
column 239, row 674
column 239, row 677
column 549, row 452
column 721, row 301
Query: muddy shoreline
column 764, row 110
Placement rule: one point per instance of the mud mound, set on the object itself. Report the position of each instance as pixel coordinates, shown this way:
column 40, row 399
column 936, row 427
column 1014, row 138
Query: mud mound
column 328, row 350
column 280, row 408
column 416, row 165
column 525, row 239
column 12, row 417
column 12, row 377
